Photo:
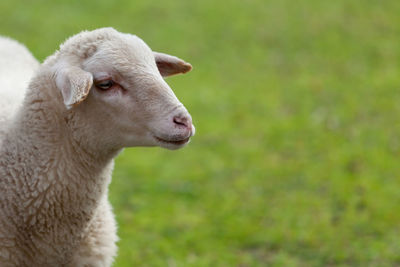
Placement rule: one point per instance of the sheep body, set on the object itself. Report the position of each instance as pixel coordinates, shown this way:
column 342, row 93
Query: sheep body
column 17, row 66
column 54, row 175
column 55, row 193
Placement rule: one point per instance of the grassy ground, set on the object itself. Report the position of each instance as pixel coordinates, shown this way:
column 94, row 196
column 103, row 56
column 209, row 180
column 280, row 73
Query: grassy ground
column 296, row 157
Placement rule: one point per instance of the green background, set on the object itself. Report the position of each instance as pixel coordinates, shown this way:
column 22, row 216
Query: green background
column 296, row 105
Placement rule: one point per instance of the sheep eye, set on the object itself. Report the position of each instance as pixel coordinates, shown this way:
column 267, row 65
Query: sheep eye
column 105, row 85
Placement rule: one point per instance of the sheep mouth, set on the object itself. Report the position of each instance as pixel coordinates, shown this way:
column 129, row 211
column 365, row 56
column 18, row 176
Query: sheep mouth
column 173, row 142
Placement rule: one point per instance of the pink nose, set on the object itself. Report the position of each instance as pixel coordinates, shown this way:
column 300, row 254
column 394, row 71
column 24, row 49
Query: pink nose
column 183, row 122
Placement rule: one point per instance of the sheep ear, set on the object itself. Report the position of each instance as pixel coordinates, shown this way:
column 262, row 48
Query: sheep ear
column 170, row 65
column 74, row 84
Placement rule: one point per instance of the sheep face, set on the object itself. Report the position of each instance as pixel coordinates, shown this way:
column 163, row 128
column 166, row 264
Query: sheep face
column 119, row 91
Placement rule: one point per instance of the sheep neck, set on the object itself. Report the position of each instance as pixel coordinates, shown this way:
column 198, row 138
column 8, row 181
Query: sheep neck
column 55, row 183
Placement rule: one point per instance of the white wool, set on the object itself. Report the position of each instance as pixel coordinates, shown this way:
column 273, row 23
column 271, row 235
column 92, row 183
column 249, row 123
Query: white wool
column 17, row 66
column 59, row 137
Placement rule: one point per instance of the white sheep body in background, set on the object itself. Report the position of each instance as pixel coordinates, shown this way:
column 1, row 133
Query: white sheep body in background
column 102, row 91
column 17, row 66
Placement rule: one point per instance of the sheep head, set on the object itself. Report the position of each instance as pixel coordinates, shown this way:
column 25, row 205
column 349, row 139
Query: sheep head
column 112, row 88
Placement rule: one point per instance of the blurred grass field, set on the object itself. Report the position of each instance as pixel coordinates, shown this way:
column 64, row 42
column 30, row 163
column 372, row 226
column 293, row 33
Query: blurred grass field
column 296, row 157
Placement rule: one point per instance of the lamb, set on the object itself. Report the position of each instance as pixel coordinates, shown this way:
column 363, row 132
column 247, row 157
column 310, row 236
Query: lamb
column 16, row 69
column 100, row 92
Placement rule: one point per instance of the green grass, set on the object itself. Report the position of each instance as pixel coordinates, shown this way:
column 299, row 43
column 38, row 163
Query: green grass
column 296, row 157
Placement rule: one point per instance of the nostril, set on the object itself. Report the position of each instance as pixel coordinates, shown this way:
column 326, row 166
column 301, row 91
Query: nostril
column 182, row 121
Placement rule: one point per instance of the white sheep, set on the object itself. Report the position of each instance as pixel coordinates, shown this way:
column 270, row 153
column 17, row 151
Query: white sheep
column 17, row 66
column 102, row 91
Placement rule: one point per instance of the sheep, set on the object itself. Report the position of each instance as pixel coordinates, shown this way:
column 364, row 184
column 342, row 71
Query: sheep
column 100, row 92
column 16, row 69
